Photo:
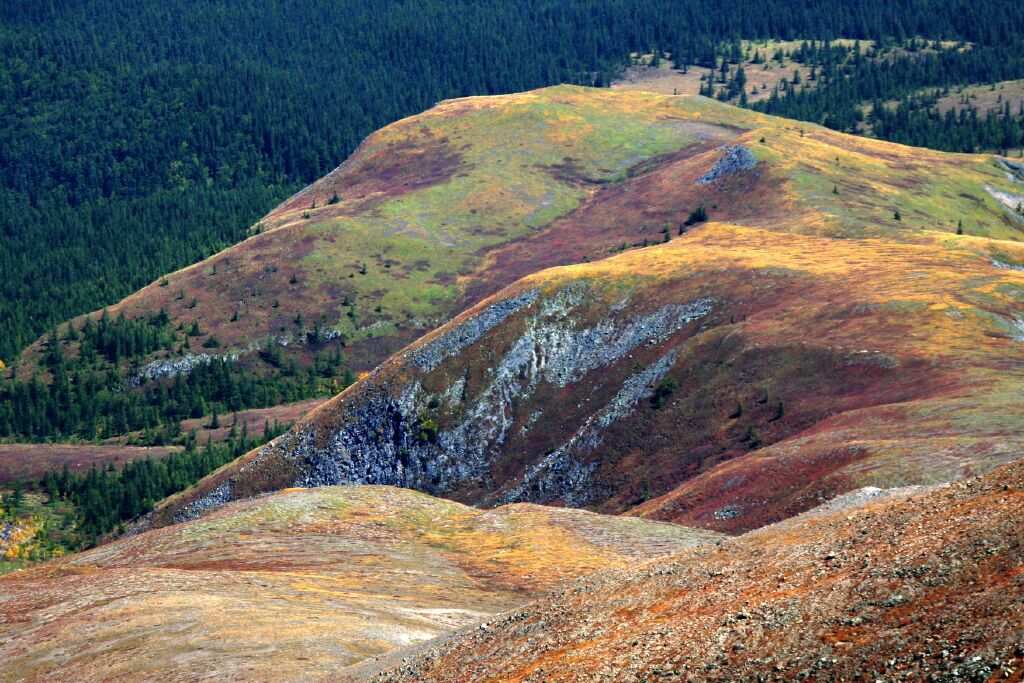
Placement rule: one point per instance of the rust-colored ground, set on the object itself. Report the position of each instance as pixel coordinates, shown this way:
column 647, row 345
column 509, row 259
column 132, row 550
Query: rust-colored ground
column 922, row 588
column 855, row 340
column 830, row 364
column 29, row 462
column 253, row 420
column 985, row 98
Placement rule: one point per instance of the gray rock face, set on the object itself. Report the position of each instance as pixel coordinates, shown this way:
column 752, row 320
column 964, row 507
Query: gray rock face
column 1013, row 203
column 392, row 429
column 388, row 437
column 1006, row 266
column 1018, row 329
column 452, row 342
column 172, row 367
column 304, row 337
column 561, row 475
column 735, row 158
column 214, row 499
column 1014, row 169
column 728, row 512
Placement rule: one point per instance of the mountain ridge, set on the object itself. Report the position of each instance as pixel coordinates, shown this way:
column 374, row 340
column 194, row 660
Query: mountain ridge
column 275, row 270
column 800, row 325
column 720, row 320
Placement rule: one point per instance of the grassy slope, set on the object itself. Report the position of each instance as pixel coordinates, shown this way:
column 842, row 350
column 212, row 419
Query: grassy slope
column 893, row 346
column 839, row 325
column 300, row 585
column 420, row 204
column 426, row 204
column 985, row 98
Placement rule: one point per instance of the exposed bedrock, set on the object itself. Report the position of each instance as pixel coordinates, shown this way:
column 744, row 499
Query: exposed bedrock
column 580, row 395
column 734, row 159
column 173, row 367
column 444, row 439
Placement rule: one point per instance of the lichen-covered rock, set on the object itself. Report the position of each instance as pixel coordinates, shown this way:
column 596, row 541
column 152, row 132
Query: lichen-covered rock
column 1003, row 265
column 1013, row 203
column 450, row 343
column 1014, row 169
column 1018, row 328
column 562, row 474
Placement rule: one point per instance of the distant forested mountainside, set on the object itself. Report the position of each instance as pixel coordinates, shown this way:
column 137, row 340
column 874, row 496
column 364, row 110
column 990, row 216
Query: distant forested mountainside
column 137, row 137
column 893, row 94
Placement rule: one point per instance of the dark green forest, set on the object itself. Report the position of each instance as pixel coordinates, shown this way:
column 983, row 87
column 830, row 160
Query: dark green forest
column 914, row 77
column 90, row 395
column 82, row 507
column 137, row 137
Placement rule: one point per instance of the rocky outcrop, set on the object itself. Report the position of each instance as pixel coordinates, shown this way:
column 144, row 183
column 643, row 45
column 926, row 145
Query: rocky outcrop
column 1003, row 265
column 1013, row 203
column 392, row 433
column 563, row 474
column 1014, row 169
column 172, row 367
column 735, row 158
column 214, row 499
column 449, row 344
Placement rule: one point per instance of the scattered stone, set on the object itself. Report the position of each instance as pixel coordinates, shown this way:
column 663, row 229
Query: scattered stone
column 214, row 499
column 728, row 512
column 1012, row 202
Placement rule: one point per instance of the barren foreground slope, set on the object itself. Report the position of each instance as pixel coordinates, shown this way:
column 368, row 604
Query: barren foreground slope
column 926, row 588
column 299, row 585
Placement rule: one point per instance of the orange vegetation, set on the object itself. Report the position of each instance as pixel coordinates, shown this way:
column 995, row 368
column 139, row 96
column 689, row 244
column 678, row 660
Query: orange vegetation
column 300, row 585
column 905, row 588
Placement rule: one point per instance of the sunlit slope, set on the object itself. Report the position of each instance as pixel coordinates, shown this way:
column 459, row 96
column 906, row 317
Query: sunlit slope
column 300, row 585
column 377, row 248
column 771, row 370
column 436, row 211
column 917, row 589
